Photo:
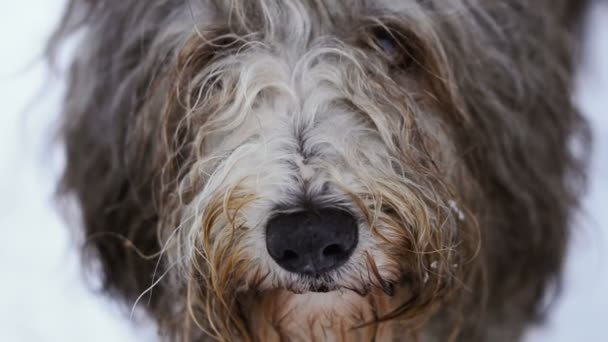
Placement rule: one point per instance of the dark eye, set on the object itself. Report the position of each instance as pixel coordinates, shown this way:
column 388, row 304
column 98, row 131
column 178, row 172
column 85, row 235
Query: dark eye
column 392, row 45
column 386, row 42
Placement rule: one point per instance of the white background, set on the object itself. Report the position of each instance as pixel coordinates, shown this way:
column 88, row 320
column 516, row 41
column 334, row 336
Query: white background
column 42, row 293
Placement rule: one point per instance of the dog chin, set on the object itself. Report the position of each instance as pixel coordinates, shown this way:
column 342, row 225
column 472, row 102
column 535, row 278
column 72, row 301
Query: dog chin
column 318, row 299
column 336, row 303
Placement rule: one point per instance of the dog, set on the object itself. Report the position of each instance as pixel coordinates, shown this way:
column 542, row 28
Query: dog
column 283, row 170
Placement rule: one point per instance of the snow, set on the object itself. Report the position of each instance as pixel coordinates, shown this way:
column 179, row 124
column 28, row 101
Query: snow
column 43, row 296
column 454, row 206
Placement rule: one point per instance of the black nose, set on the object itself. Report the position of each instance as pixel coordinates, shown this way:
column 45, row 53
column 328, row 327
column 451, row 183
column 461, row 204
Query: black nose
column 312, row 242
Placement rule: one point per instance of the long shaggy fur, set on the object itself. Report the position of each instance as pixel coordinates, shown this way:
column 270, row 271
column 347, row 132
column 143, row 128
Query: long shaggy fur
column 189, row 123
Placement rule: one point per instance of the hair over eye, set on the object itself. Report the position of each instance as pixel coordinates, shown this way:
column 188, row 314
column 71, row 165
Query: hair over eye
column 386, row 41
column 393, row 45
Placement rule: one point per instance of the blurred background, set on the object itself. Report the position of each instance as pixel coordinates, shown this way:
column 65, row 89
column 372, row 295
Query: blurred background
column 43, row 295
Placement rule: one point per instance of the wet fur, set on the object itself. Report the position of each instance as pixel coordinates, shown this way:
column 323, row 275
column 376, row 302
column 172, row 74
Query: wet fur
column 187, row 124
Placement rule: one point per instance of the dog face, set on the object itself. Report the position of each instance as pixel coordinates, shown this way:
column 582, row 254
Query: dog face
column 330, row 162
column 315, row 157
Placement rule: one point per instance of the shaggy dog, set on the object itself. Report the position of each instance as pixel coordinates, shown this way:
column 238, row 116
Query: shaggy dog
column 325, row 170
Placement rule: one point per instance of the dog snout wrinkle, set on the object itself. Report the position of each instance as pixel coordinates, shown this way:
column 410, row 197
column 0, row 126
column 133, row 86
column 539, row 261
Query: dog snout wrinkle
column 312, row 242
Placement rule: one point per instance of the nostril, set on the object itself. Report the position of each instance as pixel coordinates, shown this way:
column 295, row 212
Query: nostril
column 289, row 255
column 333, row 250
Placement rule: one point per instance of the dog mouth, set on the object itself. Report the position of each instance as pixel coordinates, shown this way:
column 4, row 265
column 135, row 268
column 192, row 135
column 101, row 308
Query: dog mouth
column 321, row 289
column 387, row 288
column 308, row 284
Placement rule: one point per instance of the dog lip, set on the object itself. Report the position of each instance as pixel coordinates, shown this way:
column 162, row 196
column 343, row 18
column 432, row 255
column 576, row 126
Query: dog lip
column 320, row 289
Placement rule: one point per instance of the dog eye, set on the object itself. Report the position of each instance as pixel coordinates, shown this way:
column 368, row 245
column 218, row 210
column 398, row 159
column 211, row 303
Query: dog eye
column 392, row 46
column 386, row 42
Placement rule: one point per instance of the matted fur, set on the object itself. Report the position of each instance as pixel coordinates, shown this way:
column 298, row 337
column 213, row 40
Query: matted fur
column 443, row 126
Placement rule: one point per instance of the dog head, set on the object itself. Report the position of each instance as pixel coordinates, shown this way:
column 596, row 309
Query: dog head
column 318, row 158
column 312, row 155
